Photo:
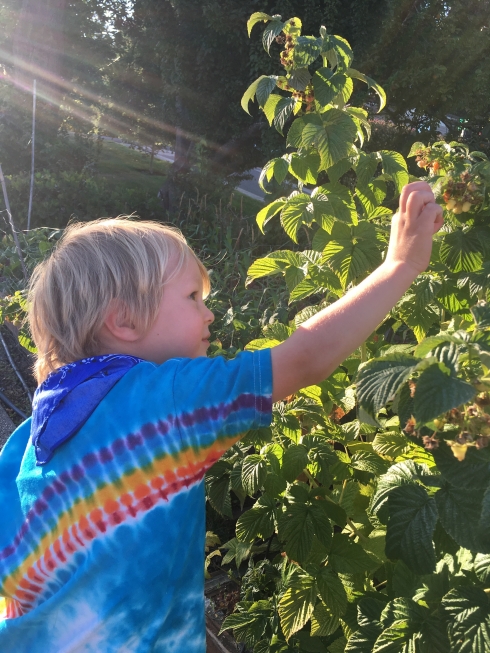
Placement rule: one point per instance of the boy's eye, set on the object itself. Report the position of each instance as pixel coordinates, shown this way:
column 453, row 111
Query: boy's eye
column 194, row 295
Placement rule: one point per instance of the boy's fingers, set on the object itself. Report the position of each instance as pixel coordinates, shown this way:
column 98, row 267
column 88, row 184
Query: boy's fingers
column 417, row 201
column 409, row 189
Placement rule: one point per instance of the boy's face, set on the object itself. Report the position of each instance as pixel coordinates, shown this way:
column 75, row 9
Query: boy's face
column 181, row 328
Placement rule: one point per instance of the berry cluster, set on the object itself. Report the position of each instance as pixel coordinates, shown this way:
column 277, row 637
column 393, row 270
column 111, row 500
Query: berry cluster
column 287, row 53
column 473, row 424
column 425, row 159
column 462, row 194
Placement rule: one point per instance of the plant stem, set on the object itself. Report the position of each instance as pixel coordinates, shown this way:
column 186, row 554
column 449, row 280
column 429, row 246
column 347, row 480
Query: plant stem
column 310, row 478
column 364, row 354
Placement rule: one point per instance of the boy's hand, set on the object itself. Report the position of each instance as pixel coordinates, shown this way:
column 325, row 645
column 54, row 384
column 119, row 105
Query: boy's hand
column 412, row 228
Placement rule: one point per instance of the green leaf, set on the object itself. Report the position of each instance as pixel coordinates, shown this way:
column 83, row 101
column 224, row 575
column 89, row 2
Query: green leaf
column 347, row 557
column 297, row 604
column 323, row 623
column 381, row 379
column 305, row 167
column 415, row 149
column 338, row 51
column 283, row 111
column 299, row 79
column 413, row 517
column 390, row 444
column 473, row 472
column 294, row 460
column 250, row 93
column 237, row 551
column 437, row 392
column 258, row 521
column 255, row 18
column 462, row 250
column 460, row 512
column 334, row 139
column 306, row 50
column 297, row 211
column 295, row 133
column 273, row 29
column 481, row 315
column 482, row 567
column 268, row 212
column 352, row 251
column 406, row 472
column 371, row 84
column 365, row 168
column 270, row 107
column 335, row 201
column 327, row 86
column 369, row 461
column 254, row 472
column 264, row 88
column 394, row 165
column 467, row 610
column 332, row 591
column 218, row 492
column 364, row 639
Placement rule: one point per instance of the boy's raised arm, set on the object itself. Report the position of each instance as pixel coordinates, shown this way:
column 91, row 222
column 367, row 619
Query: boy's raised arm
column 321, row 343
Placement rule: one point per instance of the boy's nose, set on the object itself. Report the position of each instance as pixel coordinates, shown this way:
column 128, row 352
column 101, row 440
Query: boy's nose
column 209, row 318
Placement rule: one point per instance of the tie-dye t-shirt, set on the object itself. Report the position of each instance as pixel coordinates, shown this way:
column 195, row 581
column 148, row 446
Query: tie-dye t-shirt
column 102, row 548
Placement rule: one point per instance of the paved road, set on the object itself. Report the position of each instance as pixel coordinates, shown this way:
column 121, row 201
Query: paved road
column 249, row 187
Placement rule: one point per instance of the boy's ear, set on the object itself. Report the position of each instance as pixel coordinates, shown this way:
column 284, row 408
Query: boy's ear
column 119, row 324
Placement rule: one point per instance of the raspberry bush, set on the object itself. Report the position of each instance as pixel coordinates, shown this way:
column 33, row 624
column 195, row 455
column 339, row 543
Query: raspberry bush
column 365, row 508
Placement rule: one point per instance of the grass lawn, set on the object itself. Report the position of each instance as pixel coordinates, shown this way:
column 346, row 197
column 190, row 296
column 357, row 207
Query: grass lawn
column 120, row 165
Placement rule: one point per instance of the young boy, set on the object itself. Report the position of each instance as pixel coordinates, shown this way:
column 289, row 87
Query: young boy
column 102, row 522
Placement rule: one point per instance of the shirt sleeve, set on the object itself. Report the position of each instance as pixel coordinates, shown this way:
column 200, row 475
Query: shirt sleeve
column 217, row 400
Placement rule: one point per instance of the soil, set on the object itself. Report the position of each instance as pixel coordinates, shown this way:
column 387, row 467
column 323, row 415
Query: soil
column 10, row 385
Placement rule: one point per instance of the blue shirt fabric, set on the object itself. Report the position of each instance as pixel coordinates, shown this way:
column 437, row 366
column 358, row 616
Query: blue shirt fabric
column 102, row 545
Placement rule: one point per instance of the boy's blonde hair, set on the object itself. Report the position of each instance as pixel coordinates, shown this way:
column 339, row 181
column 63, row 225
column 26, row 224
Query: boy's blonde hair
column 94, row 264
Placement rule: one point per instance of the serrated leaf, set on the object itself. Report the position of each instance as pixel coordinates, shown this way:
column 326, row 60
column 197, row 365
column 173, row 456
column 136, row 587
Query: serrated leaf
column 390, row 444
column 282, row 111
column 406, row 472
column 473, row 472
column 323, row 623
column 256, row 18
column 355, row 74
column 294, row 460
column 305, row 167
column 297, row 211
column 460, row 513
column 462, row 250
column 332, row 591
column 437, row 392
column 268, row 212
column 258, row 521
column 327, row 86
column 254, row 472
column 306, row 50
column 415, row 149
column 333, row 139
column 250, row 93
column 481, row 315
column 352, row 251
column 482, row 567
column 411, row 524
column 264, row 88
column 369, row 461
column 299, row 79
column 347, row 557
column 365, row 168
column 395, row 165
column 467, row 610
column 297, row 604
column 381, row 379
column 270, row 106
column 218, row 491
column 273, row 29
